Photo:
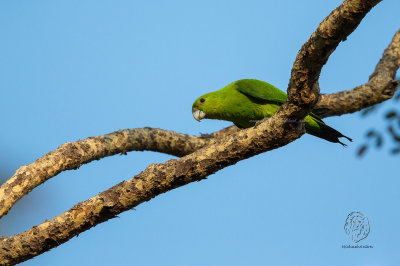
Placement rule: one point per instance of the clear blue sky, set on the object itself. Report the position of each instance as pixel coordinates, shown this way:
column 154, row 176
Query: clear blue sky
column 74, row 69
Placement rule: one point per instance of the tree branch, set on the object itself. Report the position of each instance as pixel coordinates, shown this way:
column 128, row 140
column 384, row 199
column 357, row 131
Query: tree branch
column 215, row 154
column 73, row 154
column 380, row 87
column 303, row 86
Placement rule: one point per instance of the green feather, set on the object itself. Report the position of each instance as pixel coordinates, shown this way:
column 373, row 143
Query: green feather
column 246, row 101
column 261, row 90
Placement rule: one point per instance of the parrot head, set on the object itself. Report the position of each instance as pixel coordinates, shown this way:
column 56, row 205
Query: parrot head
column 206, row 106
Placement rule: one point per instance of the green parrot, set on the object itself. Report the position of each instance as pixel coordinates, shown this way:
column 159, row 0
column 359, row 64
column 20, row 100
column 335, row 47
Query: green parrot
column 246, row 101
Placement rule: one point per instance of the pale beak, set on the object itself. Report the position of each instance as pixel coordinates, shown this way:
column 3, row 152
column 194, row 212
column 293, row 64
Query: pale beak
column 198, row 115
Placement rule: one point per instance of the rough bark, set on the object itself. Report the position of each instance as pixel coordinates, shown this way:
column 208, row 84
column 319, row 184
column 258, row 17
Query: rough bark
column 203, row 155
column 72, row 155
column 380, row 87
column 303, row 85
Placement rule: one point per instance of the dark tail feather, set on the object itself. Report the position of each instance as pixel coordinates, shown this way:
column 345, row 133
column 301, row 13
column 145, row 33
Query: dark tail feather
column 326, row 132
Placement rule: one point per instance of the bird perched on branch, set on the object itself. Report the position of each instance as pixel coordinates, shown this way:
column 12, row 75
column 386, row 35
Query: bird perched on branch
column 246, row 101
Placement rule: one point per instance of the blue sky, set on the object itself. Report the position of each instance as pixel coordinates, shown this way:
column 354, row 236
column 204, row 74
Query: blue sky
column 74, row 69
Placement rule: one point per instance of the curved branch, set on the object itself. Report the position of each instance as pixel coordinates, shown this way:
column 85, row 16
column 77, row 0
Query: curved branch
column 219, row 153
column 303, row 85
column 311, row 57
column 154, row 180
column 73, row 154
column 380, row 87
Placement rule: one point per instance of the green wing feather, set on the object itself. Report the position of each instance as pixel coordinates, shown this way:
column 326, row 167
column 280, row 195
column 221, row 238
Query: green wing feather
column 267, row 93
column 264, row 91
column 261, row 90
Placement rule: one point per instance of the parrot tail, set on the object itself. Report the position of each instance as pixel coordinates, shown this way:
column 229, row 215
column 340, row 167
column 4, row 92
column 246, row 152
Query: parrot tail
column 316, row 127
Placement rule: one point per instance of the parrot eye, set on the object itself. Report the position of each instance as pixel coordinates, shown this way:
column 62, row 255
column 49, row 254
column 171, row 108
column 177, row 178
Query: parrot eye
column 202, row 100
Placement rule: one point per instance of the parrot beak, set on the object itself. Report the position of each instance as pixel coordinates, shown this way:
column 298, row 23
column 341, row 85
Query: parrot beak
column 198, row 114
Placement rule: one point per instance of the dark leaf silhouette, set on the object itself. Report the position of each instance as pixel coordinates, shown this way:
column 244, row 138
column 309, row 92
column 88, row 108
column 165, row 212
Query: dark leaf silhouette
column 371, row 133
column 368, row 110
column 391, row 115
column 362, row 150
column 396, row 150
column 376, row 136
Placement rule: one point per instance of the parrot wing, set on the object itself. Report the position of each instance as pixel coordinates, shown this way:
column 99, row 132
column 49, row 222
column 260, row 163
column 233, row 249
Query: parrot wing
column 319, row 119
column 264, row 91
column 261, row 90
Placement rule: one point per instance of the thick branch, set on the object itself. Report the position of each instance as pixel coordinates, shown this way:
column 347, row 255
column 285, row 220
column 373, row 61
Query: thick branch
column 72, row 155
column 380, row 87
column 303, row 86
column 155, row 180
